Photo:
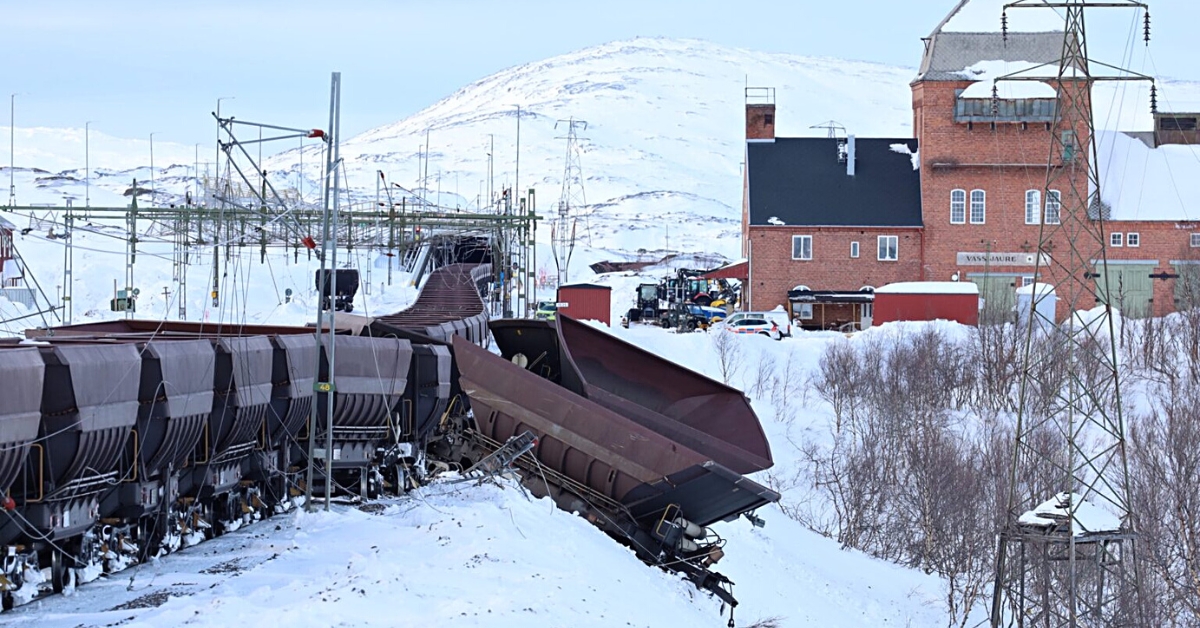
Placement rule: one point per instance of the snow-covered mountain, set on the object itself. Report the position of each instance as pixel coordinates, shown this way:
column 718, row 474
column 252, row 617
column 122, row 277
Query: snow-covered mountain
column 661, row 155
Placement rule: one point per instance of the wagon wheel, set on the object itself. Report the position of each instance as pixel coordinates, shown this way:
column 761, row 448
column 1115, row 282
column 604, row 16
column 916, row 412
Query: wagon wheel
column 61, row 576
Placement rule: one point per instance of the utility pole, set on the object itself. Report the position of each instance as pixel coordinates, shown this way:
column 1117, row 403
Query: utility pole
column 328, row 273
column 87, row 164
column 1058, row 564
column 570, row 201
column 153, row 188
column 12, row 151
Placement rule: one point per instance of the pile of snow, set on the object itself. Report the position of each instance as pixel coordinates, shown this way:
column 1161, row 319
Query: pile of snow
column 985, row 74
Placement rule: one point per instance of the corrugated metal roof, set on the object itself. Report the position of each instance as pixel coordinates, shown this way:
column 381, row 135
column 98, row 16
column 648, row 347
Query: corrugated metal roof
column 949, row 53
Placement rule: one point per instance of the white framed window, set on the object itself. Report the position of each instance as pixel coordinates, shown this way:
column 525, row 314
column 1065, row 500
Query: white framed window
column 1133, row 238
column 802, row 247
column 1053, row 207
column 889, row 248
column 804, row 311
column 1027, row 280
column 978, row 207
column 1196, row 240
column 958, row 207
column 854, row 250
column 1033, row 207
column 1116, row 239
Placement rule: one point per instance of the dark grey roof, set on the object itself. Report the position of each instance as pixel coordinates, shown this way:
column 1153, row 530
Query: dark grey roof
column 947, row 54
column 800, row 181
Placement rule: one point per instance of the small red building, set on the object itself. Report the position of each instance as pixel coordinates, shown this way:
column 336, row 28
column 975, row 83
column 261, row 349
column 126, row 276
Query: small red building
column 584, row 301
column 927, row 301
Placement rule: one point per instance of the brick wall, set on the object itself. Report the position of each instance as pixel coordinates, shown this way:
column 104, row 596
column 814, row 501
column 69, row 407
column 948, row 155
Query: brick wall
column 1004, row 160
column 774, row 272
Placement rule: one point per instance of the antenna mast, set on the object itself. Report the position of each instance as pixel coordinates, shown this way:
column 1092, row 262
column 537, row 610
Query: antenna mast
column 572, row 199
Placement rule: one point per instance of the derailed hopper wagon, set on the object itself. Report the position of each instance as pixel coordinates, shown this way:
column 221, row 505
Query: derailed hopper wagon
column 649, row 451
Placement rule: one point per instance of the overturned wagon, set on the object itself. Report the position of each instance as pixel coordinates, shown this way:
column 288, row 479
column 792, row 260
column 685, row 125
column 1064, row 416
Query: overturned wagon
column 651, row 452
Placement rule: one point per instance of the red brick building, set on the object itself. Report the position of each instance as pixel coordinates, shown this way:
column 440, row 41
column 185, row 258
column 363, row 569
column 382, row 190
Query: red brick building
column 982, row 178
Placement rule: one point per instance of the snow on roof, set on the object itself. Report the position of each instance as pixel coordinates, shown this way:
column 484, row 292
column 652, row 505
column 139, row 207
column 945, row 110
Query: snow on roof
column 1142, row 183
column 913, row 156
column 929, row 287
column 983, row 16
column 1042, row 289
column 985, row 74
column 1088, row 516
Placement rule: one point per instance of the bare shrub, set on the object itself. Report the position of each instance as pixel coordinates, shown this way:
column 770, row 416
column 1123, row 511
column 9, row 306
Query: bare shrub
column 1165, row 478
column 729, row 354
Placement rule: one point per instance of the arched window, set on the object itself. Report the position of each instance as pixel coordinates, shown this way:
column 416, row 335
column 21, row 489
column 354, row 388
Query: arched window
column 1033, row 207
column 958, row 207
column 978, row 207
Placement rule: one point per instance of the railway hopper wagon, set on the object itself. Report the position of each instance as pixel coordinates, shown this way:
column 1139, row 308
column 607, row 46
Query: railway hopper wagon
column 650, row 452
column 131, row 438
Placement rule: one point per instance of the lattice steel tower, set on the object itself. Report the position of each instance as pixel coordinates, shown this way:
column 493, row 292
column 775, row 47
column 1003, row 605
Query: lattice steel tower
column 1066, row 554
column 571, row 201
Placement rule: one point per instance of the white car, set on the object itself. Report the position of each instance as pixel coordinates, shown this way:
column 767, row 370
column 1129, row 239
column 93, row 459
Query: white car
column 754, row 326
column 779, row 317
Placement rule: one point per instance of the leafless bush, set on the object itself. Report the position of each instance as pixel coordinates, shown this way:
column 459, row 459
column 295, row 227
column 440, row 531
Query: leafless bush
column 1165, row 479
column 729, row 354
column 840, row 379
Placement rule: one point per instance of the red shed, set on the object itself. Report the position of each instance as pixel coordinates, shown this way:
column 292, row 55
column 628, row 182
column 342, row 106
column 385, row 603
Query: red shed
column 583, row 301
column 927, row 301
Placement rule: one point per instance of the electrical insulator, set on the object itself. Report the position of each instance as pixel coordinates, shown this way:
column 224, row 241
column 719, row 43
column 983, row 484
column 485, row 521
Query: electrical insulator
column 1004, row 25
column 1146, row 28
column 995, row 100
column 1153, row 98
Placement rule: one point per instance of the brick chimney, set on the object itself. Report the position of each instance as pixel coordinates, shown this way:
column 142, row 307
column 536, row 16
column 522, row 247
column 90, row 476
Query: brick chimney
column 760, row 113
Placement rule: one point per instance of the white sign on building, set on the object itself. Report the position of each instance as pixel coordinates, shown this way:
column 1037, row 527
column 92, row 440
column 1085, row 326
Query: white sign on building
column 1000, row 259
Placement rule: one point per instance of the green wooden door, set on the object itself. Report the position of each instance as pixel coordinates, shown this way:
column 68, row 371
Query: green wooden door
column 1131, row 288
column 999, row 295
column 1187, row 286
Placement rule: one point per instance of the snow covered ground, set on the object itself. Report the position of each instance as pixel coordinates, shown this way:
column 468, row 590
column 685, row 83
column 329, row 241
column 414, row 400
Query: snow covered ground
column 470, row 555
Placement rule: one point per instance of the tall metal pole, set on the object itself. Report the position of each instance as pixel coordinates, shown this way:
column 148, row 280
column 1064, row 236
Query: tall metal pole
column 12, row 152
column 196, row 176
column 328, row 259
column 87, row 164
column 335, row 124
column 153, row 189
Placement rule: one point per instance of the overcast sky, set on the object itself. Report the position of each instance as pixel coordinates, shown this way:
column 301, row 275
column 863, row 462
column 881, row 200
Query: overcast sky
column 136, row 67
